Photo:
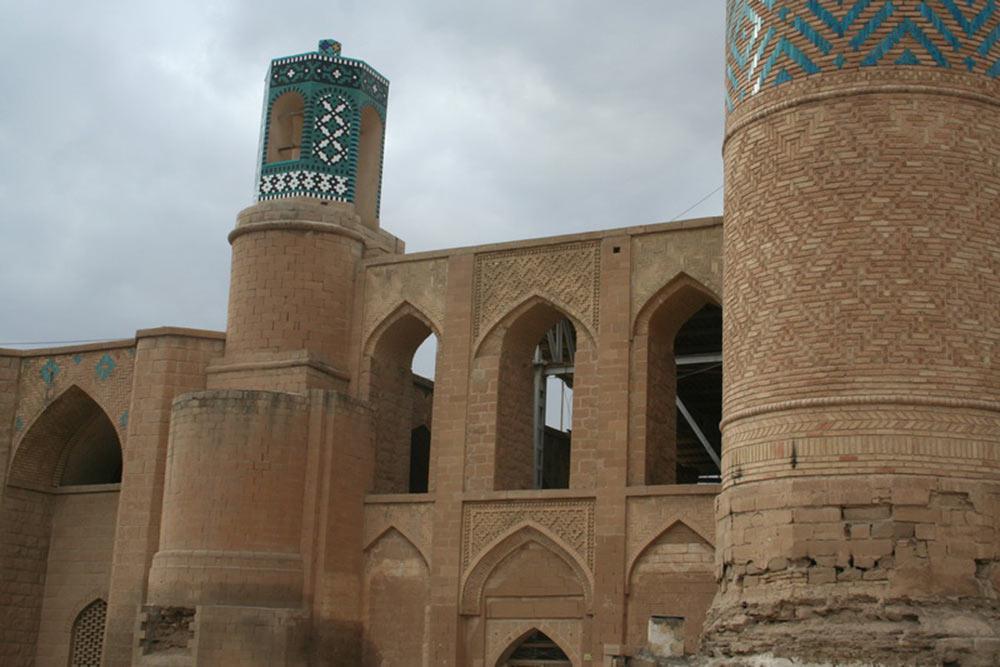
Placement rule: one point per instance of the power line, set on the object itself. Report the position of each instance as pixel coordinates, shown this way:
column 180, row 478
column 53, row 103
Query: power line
column 58, row 342
column 696, row 204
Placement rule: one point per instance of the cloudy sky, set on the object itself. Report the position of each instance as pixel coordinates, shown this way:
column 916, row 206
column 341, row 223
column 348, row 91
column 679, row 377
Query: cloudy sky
column 129, row 131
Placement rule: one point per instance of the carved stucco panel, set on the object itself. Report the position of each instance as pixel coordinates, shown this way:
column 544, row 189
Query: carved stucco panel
column 569, row 274
column 570, row 520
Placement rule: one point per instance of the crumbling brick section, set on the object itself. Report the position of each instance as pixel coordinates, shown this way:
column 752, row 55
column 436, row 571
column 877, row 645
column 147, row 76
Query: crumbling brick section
column 167, row 630
column 894, row 570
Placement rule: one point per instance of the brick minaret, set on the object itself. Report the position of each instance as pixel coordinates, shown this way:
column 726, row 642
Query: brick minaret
column 266, row 469
column 862, row 319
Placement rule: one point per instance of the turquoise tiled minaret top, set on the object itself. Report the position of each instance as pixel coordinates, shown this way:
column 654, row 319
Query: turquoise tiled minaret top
column 773, row 42
column 327, row 94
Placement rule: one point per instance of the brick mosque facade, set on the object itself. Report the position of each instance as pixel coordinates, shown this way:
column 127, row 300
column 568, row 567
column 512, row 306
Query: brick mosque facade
column 785, row 430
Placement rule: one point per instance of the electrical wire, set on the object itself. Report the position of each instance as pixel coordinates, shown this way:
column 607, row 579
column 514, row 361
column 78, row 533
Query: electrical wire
column 696, row 204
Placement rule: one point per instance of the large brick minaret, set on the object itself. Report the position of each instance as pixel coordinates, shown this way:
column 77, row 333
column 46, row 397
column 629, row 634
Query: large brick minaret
column 861, row 461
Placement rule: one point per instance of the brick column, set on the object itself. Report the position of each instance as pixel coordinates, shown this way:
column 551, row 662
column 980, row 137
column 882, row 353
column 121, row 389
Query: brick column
column 10, row 366
column 448, row 462
column 168, row 362
column 612, row 451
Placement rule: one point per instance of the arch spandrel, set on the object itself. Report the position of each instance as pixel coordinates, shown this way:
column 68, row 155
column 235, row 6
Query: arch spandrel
column 37, row 462
column 492, row 335
column 474, row 581
column 682, row 295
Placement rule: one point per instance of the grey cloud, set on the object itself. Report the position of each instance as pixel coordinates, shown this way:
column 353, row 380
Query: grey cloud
column 129, row 132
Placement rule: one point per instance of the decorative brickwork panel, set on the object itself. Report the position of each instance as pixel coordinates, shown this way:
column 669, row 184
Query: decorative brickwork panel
column 88, row 635
column 571, row 520
column 569, row 275
column 773, row 42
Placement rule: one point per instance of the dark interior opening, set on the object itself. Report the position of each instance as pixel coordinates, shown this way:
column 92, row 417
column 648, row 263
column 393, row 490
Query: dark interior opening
column 420, row 459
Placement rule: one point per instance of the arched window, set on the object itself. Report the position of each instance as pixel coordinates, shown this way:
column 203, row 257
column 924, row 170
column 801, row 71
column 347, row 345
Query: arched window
column 401, row 393
column 369, row 173
column 534, row 427
column 698, row 396
column 284, row 129
column 679, row 396
column 94, row 455
column 535, row 650
column 87, row 642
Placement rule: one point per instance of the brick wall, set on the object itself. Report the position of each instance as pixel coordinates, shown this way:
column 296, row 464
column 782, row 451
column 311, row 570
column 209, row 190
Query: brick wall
column 78, row 569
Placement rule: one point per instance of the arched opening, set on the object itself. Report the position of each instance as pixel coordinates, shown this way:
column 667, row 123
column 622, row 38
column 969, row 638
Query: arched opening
column 93, row 455
column 401, row 392
column 534, row 422
column 284, row 129
column 535, row 649
column 369, row 173
column 679, row 369
column 58, row 529
column 87, row 641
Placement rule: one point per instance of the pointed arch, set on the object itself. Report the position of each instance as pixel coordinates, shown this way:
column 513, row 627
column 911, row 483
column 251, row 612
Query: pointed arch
column 42, row 455
column 87, row 635
column 506, row 544
column 402, row 310
column 396, row 597
column 513, row 640
column 676, row 301
column 393, row 529
column 388, row 384
column 535, row 299
column 671, row 526
column 663, row 447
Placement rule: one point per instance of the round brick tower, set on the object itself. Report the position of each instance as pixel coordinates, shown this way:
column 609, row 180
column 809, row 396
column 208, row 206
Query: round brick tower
column 859, row 512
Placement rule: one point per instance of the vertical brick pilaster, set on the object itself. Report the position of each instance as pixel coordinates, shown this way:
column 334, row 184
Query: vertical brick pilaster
column 448, row 462
column 166, row 365
column 612, row 450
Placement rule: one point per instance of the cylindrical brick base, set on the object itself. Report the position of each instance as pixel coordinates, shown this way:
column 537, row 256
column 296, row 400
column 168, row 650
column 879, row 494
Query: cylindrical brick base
column 233, row 501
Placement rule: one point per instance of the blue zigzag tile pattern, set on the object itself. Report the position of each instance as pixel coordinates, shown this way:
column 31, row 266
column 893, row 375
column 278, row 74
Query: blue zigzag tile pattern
column 771, row 42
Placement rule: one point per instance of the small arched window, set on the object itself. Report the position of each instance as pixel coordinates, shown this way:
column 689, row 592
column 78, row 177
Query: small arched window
column 369, row 173
column 87, row 641
column 284, row 128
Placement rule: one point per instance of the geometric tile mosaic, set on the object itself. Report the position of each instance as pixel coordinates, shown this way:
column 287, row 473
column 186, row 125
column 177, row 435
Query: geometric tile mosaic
column 332, row 128
column 334, row 90
column 49, row 371
column 105, row 367
column 771, row 42
column 303, row 183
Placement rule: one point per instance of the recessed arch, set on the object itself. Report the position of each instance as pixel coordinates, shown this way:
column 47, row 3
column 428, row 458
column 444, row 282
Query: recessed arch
column 517, row 312
column 368, row 177
column 676, row 301
column 515, row 640
column 284, row 127
column 676, row 524
column 401, row 532
column 87, row 635
column 72, row 437
column 392, row 390
column 475, row 580
column 676, row 401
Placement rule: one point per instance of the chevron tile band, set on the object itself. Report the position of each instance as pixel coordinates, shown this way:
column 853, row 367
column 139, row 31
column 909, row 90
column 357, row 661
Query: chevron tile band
column 771, row 42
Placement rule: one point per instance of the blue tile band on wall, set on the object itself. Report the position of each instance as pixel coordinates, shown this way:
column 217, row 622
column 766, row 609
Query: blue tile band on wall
column 335, row 90
column 771, row 42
